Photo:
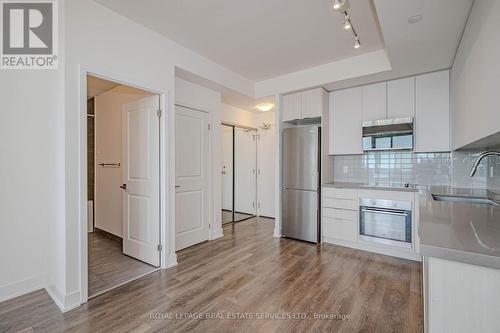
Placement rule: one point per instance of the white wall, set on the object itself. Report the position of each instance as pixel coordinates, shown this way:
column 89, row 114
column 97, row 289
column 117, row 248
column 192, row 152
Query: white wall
column 115, row 46
column 475, row 76
column 198, row 97
column 31, row 178
column 43, row 190
column 108, row 205
column 233, row 115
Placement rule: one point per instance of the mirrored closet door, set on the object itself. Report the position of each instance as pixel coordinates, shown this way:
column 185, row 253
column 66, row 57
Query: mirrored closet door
column 239, row 173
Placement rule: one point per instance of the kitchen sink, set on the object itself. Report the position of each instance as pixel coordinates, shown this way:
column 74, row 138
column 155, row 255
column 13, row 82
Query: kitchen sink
column 464, row 199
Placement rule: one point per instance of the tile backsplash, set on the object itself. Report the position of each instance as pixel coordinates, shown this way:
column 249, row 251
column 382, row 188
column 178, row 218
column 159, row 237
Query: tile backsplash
column 391, row 167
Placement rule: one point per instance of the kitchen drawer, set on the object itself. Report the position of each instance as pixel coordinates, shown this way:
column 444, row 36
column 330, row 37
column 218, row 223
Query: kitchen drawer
column 340, row 229
column 340, row 193
column 340, row 203
column 342, row 214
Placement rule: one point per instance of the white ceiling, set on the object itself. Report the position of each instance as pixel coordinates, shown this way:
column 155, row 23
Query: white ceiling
column 264, row 39
column 258, row 39
column 244, row 102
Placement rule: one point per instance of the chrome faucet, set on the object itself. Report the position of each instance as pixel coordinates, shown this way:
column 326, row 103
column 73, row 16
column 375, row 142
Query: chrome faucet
column 478, row 160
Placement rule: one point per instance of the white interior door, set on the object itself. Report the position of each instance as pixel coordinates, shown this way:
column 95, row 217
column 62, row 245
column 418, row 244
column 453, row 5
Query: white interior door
column 267, row 158
column 191, row 177
column 227, row 167
column 245, row 170
column 141, row 133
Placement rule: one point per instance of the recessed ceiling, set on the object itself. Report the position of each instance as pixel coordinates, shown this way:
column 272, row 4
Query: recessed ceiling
column 258, row 39
column 425, row 46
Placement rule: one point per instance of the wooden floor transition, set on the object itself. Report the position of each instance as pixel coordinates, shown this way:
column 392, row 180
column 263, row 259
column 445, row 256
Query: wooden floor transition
column 233, row 284
column 108, row 266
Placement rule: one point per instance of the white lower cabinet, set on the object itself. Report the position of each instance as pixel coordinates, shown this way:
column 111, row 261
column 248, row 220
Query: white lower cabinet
column 340, row 220
column 340, row 229
column 340, row 214
column 459, row 297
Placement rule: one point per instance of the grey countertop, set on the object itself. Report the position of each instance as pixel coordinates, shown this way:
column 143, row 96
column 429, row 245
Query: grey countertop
column 370, row 186
column 463, row 232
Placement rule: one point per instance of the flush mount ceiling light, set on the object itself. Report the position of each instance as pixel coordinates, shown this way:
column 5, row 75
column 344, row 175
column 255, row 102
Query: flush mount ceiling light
column 415, row 18
column 264, row 107
column 342, row 6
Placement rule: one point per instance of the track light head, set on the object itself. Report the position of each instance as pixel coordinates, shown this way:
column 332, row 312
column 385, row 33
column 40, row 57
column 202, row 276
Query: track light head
column 347, row 22
column 357, row 44
column 340, row 5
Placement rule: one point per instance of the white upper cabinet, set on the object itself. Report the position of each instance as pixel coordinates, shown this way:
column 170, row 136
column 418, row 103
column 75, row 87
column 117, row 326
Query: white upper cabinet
column 374, row 101
column 303, row 104
column 432, row 118
column 345, row 132
column 401, row 98
column 312, row 103
column 291, row 107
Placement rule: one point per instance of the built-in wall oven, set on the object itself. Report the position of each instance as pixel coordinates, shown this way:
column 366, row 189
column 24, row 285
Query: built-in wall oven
column 385, row 222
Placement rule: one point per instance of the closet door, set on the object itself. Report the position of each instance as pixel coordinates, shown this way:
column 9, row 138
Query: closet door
column 245, row 169
column 227, row 167
column 266, row 177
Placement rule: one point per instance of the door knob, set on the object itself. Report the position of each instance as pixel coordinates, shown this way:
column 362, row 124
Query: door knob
column 177, row 186
column 123, row 186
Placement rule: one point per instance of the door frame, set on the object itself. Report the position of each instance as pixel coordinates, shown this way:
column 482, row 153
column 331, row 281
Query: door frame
column 211, row 228
column 164, row 220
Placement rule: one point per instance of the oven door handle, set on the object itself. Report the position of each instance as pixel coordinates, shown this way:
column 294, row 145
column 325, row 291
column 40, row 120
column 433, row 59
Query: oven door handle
column 383, row 211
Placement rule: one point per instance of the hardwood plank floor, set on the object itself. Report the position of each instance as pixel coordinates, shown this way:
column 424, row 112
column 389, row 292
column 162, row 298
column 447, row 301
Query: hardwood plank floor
column 108, row 266
column 247, row 272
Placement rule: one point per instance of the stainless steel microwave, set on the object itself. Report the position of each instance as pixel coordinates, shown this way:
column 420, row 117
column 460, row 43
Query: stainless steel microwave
column 388, row 134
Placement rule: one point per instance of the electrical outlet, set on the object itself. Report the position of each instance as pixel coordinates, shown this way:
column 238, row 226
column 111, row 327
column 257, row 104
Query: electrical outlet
column 346, row 169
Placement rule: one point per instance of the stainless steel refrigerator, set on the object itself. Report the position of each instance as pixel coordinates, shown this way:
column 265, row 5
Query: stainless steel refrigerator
column 301, row 178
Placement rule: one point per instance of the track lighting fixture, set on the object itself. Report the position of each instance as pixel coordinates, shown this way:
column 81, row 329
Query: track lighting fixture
column 342, row 6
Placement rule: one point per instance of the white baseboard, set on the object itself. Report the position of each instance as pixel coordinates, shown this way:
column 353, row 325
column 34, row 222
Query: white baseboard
column 21, row 287
column 216, row 233
column 389, row 251
column 64, row 302
column 171, row 261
